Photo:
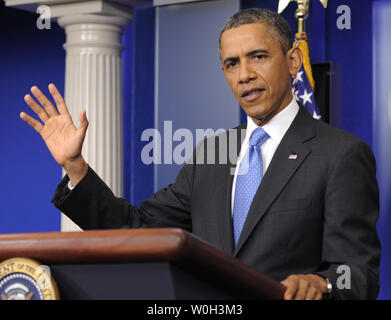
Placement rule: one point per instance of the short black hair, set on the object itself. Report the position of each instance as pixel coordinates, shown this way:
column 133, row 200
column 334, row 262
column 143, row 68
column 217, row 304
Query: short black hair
column 257, row 15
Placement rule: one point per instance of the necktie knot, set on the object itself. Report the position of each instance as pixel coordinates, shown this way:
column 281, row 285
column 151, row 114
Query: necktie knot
column 258, row 137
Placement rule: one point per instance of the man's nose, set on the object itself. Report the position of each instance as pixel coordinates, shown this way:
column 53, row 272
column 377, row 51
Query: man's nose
column 246, row 73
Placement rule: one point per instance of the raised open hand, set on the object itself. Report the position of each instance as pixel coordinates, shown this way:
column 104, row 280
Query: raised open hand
column 62, row 138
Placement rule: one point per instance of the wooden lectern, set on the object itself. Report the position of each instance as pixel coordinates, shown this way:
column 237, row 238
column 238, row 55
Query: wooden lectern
column 158, row 264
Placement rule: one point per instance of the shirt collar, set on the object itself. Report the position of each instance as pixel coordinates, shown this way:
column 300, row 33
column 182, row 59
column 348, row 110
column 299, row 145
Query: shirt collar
column 278, row 125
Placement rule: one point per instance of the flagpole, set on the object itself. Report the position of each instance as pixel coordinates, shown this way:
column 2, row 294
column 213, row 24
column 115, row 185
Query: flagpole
column 301, row 14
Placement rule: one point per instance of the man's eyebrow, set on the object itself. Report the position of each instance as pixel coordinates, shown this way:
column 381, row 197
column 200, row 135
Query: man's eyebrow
column 248, row 54
column 255, row 52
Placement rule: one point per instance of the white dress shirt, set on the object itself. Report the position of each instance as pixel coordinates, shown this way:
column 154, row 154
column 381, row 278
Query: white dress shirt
column 276, row 129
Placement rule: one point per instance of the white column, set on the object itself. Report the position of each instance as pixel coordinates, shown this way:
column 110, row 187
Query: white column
column 93, row 82
column 93, row 79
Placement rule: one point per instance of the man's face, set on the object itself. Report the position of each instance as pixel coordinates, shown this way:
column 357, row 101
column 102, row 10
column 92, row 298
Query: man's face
column 257, row 70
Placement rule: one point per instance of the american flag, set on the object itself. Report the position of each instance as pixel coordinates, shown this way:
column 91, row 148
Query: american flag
column 303, row 82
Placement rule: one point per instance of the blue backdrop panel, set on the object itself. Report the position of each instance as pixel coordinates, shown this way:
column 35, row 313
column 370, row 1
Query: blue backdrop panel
column 288, row 14
column 139, row 72
column 28, row 173
column 382, row 132
column 127, row 66
column 352, row 50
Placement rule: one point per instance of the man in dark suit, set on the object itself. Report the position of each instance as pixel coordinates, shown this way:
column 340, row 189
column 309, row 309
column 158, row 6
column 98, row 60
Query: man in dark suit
column 299, row 203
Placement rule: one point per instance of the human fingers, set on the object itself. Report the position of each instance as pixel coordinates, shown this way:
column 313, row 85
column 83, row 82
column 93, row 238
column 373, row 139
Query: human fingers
column 318, row 296
column 32, row 122
column 40, row 112
column 311, row 293
column 291, row 284
column 302, row 289
column 45, row 102
column 60, row 102
column 83, row 123
column 83, row 119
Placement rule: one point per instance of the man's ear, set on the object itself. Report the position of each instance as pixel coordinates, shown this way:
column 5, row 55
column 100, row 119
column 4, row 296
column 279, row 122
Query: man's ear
column 295, row 60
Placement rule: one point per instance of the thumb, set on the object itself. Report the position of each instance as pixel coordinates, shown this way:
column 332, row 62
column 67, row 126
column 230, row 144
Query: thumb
column 83, row 120
column 82, row 129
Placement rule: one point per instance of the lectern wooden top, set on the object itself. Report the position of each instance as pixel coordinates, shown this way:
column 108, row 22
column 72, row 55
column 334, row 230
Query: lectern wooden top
column 142, row 245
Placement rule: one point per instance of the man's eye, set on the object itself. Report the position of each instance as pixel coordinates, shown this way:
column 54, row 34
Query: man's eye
column 231, row 64
column 259, row 56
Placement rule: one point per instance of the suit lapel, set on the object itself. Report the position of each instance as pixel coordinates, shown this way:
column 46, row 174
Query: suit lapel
column 280, row 171
column 224, row 218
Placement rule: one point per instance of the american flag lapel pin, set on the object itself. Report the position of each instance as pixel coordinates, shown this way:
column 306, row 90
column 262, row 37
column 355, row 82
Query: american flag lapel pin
column 293, row 156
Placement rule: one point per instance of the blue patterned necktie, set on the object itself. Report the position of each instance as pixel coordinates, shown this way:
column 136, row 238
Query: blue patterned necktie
column 248, row 179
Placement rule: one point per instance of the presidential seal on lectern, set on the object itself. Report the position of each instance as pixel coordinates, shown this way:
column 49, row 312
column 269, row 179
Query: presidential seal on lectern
column 26, row 279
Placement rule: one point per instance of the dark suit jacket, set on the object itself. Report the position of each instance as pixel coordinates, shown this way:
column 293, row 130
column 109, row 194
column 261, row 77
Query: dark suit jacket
column 309, row 215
